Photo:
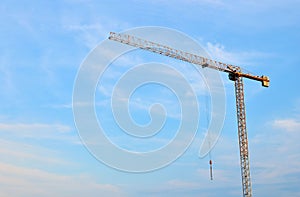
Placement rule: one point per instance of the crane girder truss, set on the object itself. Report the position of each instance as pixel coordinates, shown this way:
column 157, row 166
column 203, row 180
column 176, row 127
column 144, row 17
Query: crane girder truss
column 235, row 74
column 243, row 137
column 185, row 56
column 168, row 51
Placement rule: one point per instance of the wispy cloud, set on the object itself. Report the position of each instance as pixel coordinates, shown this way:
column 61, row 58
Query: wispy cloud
column 90, row 34
column 212, row 3
column 220, row 53
column 23, row 181
column 60, row 106
column 287, row 124
column 278, row 163
column 13, row 151
column 93, row 32
column 7, row 86
column 40, row 131
column 179, row 184
column 34, row 126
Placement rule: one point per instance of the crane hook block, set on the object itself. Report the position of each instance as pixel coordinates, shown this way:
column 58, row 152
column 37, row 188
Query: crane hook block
column 210, row 170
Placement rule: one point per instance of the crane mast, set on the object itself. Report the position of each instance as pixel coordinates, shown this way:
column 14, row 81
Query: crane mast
column 235, row 74
column 243, row 137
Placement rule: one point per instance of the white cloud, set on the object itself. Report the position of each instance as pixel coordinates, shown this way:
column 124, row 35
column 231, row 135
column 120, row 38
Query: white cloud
column 213, row 3
column 12, row 151
column 95, row 30
column 29, row 169
column 40, row 131
column 91, row 34
column 7, row 84
column 180, row 184
column 34, row 126
column 287, row 124
column 21, row 181
column 60, row 106
column 275, row 155
column 219, row 52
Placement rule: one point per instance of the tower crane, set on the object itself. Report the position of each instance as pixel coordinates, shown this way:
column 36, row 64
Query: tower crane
column 235, row 74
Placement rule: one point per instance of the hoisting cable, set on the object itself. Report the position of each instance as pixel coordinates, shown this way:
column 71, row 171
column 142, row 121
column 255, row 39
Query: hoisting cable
column 210, row 166
column 208, row 135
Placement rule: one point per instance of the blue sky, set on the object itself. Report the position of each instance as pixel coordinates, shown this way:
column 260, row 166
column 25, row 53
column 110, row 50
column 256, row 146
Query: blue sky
column 43, row 45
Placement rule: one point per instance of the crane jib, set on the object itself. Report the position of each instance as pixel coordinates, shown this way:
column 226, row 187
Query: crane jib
column 185, row 56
